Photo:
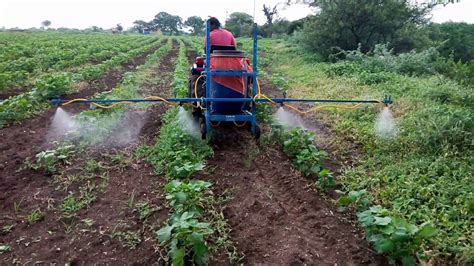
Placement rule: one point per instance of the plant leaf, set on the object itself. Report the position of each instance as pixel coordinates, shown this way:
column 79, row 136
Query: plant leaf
column 382, row 220
column 427, row 231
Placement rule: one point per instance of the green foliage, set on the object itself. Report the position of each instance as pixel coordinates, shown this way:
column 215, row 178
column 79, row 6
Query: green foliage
column 196, row 24
column 185, row 236
column 298, row 144
column 48, row 160
column 240, row 24
column 326, row 180
column 422, row 174
column 393, row 236
column 344, row 24
column 71, row 205
column 35, row 216
column 380, row 65
column 176, row 153
column 456, row 39
column 167, row 23
column 59, row 53
column 187, row 196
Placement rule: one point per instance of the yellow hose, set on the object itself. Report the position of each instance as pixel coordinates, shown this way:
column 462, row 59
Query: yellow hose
column 196, row 92
column 261, row 95
column 257, row 96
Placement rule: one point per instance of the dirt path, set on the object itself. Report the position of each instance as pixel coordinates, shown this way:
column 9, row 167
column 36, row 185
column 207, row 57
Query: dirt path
column 276, row 218
column 125, row 189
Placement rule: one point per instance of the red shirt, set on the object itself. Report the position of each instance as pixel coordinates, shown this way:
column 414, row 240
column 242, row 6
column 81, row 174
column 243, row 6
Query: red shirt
column 221, row 37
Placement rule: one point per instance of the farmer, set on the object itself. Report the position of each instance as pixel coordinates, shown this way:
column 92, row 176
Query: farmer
column 219, row 36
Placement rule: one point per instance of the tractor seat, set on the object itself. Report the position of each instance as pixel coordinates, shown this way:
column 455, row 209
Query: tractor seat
column 228, row 53
column 222, row 48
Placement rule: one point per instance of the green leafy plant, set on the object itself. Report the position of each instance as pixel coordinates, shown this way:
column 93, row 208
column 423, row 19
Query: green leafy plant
column 325, row 180
column 53, row 85
column 356, row 199
column 394, row 236
column 187, row 196
column 48, row 160
column 185, row 236
column 299, row 145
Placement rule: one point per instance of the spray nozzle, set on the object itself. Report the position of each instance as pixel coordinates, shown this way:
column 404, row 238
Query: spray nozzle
column 387, row 100
column 56, row 102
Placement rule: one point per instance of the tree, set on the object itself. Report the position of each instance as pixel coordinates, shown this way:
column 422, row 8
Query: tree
column 140, row 25
column 344, row 24
column 46, row 23
column 278, row 27
column 270, row 13
column 167, row 23
column 196, row 24
column 454, row 39
column 96, row 29
column 240, row 24
column 119, row 28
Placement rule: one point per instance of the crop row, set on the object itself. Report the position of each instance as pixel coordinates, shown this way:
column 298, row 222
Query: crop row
column 20, row 72
column 27, row 104
column 96, row 124
column 17, row 45
column 403, row 237
column 178, row 156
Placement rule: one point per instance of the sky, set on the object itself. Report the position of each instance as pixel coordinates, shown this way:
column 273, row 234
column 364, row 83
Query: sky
column 107, row 13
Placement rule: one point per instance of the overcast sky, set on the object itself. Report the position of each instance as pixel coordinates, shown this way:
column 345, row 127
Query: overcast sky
column 107, row 13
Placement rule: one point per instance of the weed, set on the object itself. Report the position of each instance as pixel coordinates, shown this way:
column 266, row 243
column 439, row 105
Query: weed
column 70, row 206
column 131, row 200
column 129, row 239
column 5, row 248
column 7, row 228
column 17, row 205
column 93, row 167
column 88, row 221
column 35, row 216
column 144, row 210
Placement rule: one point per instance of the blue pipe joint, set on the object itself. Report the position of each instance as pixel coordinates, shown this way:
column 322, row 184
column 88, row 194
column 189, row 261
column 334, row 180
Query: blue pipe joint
column 387, row 100
column 56, row 102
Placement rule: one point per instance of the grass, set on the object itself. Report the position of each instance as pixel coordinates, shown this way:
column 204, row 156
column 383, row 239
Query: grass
column 35, row 216
column 422, row 175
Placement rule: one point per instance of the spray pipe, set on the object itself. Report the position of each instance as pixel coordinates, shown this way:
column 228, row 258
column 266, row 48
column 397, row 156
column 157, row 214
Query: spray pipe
column 387, row 100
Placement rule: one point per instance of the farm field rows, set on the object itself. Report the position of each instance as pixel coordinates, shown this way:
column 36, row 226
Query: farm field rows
column 55, row 83
column 133, row 184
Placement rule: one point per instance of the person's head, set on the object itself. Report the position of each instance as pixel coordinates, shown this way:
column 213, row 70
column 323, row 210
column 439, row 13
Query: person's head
column 214, row 22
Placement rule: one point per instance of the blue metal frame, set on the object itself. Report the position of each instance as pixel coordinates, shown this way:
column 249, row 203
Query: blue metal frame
column 244, row 116
column 387, row 100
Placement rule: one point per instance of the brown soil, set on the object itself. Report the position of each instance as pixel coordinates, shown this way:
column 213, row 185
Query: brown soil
column 121, row 181
column 275, row 216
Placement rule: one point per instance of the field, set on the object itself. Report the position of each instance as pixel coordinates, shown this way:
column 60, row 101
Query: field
column 131, row 184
